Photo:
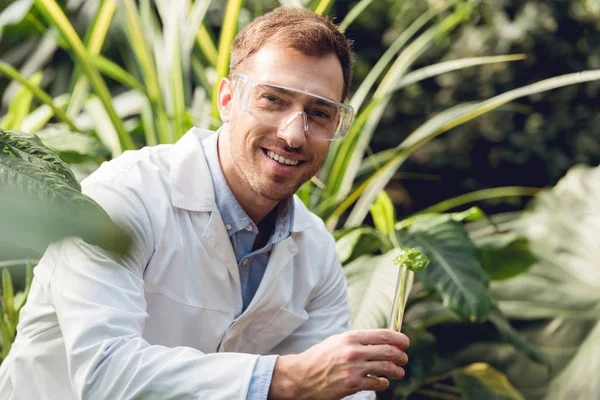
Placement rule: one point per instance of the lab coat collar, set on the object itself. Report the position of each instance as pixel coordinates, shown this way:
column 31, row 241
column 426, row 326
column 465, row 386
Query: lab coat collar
column 191, row 185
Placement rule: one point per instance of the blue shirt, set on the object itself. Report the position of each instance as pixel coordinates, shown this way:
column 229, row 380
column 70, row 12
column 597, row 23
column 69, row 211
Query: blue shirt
column 251, row 264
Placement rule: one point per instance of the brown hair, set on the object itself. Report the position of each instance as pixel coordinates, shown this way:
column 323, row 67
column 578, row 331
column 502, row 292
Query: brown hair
column 298, row 29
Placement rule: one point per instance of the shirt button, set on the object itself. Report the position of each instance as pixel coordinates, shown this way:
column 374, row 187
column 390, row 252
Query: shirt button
column 249, row 228
column 228, row 227
column 245, row 261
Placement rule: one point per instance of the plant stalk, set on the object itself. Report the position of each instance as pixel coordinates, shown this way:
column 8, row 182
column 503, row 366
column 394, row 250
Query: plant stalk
column 399, row 299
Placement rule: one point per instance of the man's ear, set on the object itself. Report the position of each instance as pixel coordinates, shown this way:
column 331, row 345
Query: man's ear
column 225, row 99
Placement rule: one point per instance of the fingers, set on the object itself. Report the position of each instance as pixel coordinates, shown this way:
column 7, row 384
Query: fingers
column 384, row 368
column 380, row 336
column 382, row 352
column 374, row 383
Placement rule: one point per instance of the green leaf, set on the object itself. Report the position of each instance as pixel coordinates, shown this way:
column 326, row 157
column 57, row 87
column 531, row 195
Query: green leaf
column 323, row 6
column 579, row 379
column 41, row 200
column 54, row 14
column 228, row 31
column 505, row 256
column 453, row 65
column 134, row 28
column 479, row 195
column 384, row 214
column 72, row 147
column 512, row 336
column 481, row 381
column 354, row 12
column 442, row 122
column 422, row 357
column 455, row 273
column 14, row 13
column 20, row 105
column 371, row 285
column 39, row 93
column 97, row 32
column 28, row 281
column 358, row 242
column 8, row 296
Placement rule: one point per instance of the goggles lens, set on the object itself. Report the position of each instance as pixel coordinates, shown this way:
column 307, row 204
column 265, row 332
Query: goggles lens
column 275, row 105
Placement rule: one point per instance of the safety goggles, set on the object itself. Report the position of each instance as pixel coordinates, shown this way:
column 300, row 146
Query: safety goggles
column 280, row 106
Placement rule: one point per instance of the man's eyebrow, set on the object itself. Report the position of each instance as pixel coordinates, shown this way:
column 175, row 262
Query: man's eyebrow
column 280, row 90
column 294, row 94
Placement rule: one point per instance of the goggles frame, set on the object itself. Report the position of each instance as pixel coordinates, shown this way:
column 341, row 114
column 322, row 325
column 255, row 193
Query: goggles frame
column 243, row 86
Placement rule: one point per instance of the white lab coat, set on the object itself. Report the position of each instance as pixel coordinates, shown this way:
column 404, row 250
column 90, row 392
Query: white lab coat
column 164, row 321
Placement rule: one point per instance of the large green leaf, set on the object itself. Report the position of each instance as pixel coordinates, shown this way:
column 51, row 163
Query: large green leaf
column 371, row 284
column 481, row 381
column 72, row 147
column 579, row 380
column 559, row 340
column 505, row 255
column 455, row 273
column 41, row 200
column 358, row 242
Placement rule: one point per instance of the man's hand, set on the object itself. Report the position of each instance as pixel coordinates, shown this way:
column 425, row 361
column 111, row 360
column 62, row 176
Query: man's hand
column 341, row 365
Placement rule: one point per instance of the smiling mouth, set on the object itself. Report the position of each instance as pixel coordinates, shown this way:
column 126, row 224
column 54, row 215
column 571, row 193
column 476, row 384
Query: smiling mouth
column 281, row 159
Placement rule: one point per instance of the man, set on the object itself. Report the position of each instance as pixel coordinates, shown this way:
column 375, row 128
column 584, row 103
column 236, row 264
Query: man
column 232, row 289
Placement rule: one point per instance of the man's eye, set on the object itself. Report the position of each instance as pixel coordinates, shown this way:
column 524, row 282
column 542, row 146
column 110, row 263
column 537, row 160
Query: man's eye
column 320, row 114
column 271, row 98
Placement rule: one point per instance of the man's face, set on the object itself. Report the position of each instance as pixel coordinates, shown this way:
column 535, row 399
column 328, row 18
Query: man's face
column 254, row 146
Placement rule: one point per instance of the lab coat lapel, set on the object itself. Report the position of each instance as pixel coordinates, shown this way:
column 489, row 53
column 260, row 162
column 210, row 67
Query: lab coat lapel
column 218, row 239
column 192, row 189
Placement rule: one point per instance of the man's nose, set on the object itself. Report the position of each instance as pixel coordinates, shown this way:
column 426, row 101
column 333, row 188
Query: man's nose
column 293, row 129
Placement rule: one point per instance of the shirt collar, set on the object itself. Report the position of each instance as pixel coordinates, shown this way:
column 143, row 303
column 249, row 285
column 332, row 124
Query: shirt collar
column 234, row 217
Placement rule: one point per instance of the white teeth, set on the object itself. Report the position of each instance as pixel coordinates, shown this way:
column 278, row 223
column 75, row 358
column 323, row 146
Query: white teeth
column 281, row 159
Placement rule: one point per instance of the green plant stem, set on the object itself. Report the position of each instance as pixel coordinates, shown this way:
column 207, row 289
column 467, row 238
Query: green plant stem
column 399, row 300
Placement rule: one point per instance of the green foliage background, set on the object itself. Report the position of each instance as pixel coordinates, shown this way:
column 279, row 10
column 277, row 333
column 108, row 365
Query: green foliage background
column 94, row 78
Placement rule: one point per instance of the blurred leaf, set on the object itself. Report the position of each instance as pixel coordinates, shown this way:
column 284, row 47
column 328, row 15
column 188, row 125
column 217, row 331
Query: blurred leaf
column 21, row 297
column 228, row 32
column 426, row 314
column 8, row 295
column 512, row 336
column 442, row 122
column 72, row 147
column 20, row 105
column 479, row 195
column 453, row 65
column 323, row 6
column 578, row 379
column 481, row 381
column 371, row 284
column 42, row 201
column 383, row 213
column 97, row 32
column 39, row 93
column 134, row 28
column 14, row 13
column 422, row 358
column 505, row 256
column 206, row 45
column 55, row 16
column 354, row 12
column 455, row 273
column 358, row 242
